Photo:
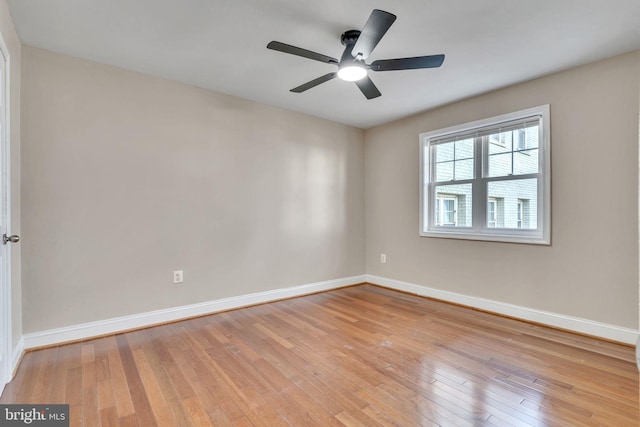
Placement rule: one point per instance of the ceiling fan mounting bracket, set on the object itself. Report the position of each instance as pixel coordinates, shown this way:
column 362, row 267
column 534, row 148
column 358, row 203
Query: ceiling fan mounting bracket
column 349, row 37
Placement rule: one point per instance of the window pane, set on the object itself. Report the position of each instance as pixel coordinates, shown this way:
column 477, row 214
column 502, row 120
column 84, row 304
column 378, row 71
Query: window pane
column 444, row 152
column 454, row 160
column 464, row 159
column 500, row 164
column 464, row 169
column 444, row 172
column 452, row 205
column 500, row 143
column 516, row 203
column 464, row 149
column 525, row 161
column 514, row 152
column 531, row 136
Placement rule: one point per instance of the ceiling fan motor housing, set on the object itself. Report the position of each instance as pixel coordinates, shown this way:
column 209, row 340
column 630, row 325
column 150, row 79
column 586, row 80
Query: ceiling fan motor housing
column 349, row 37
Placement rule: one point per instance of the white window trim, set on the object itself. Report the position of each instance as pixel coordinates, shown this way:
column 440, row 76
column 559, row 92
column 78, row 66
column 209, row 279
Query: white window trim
column 541, row 235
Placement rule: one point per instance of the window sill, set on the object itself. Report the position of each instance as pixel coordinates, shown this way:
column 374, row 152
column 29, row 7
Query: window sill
column 530, row 238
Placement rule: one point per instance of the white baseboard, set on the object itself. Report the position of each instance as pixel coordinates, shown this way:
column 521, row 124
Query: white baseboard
column 18, row 351
column 136, row 321
column 576, row 324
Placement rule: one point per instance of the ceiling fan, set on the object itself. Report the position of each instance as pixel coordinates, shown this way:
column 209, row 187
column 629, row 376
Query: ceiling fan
column 358, row 47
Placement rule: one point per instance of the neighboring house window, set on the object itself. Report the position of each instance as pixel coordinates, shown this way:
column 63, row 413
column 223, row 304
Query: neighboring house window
column 492, row 212
column 446, row 211
column 488, row 180
column 520, row 214
column 521, row 139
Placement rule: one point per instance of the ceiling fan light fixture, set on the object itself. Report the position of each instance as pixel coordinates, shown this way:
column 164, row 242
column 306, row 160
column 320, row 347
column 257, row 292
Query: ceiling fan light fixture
column 352, row 73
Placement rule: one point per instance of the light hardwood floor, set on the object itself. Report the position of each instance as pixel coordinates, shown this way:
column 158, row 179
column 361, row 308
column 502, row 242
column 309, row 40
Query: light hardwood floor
column 362, row 355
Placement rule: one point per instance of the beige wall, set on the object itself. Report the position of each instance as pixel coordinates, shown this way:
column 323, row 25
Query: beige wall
column 12, row 42
column 591, row 268
column 128, row 177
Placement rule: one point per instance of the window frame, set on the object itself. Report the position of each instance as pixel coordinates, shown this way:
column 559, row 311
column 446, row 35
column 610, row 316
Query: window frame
column 541, row 235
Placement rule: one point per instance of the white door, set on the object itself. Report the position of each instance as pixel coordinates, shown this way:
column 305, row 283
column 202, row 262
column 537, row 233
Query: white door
column 6, row 239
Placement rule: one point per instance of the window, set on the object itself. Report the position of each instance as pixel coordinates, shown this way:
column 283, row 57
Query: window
column 492, row 212
column 521, row 140
column 520, row 213
column 488, row 180
column 446, row 210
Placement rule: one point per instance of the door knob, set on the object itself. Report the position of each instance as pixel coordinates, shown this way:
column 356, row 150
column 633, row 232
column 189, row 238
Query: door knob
column 13, row 239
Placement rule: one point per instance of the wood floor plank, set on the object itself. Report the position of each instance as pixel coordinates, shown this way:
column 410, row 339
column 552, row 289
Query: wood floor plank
column 200, row 370
column 242, row 422
column 56, row 392
column 73, row 392
column 139, row 397
column 109, row 417
column 357, row 356
column 88, row 409
column 152, row 389
column 357, row 419
column 197, row 415
column 179, row 412
column 105, row 395
column 89, row 378
column 443, row 412
column 37, row 380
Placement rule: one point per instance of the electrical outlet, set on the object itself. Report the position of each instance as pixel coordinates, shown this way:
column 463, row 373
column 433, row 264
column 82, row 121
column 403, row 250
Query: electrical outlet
column 383, row 258
column 178, row 276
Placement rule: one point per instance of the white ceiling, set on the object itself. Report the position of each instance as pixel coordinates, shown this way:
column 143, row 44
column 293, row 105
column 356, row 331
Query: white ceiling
column 221, row 45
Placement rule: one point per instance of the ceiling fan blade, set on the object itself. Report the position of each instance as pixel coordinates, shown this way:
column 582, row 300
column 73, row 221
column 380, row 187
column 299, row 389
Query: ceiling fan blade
column 368, row 88
column 432, row 61
column 314, row 83
column 298, row 51
column 377, row 25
